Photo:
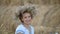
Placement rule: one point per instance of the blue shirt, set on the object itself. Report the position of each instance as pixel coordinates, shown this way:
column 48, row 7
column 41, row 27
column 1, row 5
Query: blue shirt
column 24, row 30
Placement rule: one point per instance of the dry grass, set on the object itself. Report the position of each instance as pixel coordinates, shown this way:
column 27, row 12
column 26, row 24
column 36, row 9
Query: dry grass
column 46, row 20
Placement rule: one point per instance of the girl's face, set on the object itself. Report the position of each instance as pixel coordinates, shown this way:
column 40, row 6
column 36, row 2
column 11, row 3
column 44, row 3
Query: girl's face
column 26, row 18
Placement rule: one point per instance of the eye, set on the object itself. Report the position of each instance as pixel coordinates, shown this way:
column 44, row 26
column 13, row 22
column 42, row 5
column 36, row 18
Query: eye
column 25, row 17
column 29, row 16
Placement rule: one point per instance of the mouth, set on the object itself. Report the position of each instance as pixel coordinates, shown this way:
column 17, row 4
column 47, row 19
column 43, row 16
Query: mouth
column 28, row 21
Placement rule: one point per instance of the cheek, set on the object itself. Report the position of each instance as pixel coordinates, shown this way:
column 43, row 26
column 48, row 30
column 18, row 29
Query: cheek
column 29, row 18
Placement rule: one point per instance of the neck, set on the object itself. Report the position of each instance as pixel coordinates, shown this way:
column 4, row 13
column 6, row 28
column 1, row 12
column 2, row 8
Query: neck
column 26, row 25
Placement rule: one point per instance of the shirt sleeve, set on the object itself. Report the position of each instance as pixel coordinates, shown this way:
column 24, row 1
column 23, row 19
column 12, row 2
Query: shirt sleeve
column 19, row 31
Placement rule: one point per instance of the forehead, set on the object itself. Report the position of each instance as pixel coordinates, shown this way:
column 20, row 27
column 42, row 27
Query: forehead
column 26, row 14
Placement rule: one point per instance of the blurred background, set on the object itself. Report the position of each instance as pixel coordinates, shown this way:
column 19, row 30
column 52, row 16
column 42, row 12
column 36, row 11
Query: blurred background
column 47, row 20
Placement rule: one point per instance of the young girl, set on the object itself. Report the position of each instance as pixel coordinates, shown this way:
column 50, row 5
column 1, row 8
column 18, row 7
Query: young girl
column 25, row 17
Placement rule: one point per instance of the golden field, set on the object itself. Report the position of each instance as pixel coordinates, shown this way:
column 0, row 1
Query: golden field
column 46, row 21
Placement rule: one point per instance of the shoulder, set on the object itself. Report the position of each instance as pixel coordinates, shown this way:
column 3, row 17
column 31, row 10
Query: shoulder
column 32, row 27
column 20, row 28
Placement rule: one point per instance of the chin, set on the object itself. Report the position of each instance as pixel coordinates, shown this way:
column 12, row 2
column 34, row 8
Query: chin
column 28, row 23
